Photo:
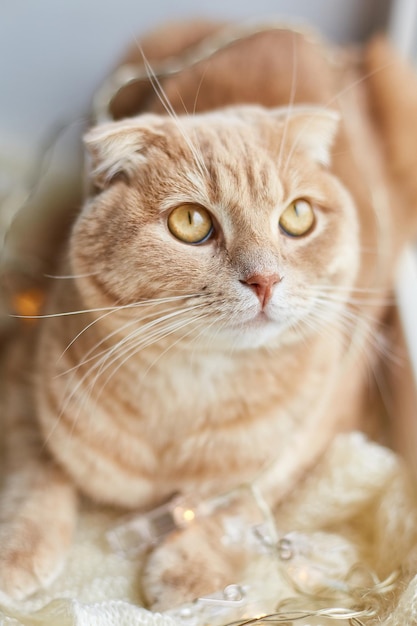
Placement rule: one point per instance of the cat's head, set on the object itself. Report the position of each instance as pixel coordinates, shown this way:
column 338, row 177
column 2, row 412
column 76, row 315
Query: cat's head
column 234, row 213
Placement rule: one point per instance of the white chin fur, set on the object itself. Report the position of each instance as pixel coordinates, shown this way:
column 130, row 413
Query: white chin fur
column 248, row 335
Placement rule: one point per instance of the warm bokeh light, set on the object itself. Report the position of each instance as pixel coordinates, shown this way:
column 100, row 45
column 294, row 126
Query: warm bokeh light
column 28, row 303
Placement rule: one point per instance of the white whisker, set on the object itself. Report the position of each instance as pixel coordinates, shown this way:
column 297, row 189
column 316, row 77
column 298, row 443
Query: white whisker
column 351, row 299
column 327, row 104
column 144, row 342
column 198, row 318
column 78, row 312
column 102, row 365
column 107, row 354
column 86, row 357
column 149, row 303
column 359, row 329
column 200, row 84
column 119, row 307
column 291, row 100
column 163, row 98
column 69, row 276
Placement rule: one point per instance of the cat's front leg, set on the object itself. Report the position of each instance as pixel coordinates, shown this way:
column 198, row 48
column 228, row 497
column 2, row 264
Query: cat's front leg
column 38, row 502
column 210, row 553
column 38, row 514
column 191, row 563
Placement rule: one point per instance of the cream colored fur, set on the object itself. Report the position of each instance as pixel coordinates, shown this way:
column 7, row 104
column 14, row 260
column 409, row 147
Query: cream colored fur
column 174, row 374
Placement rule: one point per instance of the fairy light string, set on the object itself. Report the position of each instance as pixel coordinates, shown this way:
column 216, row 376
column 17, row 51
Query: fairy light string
column 355, row 596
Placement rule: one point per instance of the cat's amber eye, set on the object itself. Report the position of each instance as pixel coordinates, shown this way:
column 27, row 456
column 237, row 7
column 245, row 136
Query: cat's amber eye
column 297, row 219
column 190, row 223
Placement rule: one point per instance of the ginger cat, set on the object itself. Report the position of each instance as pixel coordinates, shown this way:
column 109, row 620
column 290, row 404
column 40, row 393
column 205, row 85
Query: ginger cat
column 230, row 271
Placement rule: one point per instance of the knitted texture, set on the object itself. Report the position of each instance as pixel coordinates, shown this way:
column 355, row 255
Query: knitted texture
column 358, row 504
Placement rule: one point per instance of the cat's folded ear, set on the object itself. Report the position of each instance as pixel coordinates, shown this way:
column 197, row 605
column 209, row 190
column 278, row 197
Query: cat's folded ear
column 120, row 147
column 310, row 129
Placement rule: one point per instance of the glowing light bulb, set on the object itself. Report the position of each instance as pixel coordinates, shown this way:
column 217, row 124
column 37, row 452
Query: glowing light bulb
column 188, row 515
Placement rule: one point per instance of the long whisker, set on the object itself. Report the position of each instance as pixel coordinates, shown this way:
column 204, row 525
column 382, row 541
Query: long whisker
column 107, row 352
column 327, row 104
column 327, row 304
column 98, row 366
column 85, row 329
column 354, row 297
column 103, row 363
column 160, row 93
column 138, row 346
column 351, row 299
column 117, row 307
column 361, row 329
column 119, row 330
column 200, row 84
column 345, row 288
column 291, row 100
column 173, row 329
column 135, row 346
column 148, row 303
column 69, row 276
column 78, row 312
column 181, row 99
column 335, row 328
column 148, row 340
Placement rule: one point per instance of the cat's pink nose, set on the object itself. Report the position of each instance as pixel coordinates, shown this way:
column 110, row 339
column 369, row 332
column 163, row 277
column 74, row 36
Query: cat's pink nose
column 262, row 285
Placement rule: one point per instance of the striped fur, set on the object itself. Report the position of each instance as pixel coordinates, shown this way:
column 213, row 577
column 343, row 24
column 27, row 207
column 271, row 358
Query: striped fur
column 169, row 374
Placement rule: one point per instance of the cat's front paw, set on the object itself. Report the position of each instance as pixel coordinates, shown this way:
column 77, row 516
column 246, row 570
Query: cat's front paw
column 190, row 564
column 39, row 510
column 31, row 557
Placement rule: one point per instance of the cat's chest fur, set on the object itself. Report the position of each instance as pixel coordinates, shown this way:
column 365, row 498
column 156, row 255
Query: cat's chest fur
column 179, row 422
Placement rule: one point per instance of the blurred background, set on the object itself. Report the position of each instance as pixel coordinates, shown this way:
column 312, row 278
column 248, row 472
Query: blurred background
column 54, row 53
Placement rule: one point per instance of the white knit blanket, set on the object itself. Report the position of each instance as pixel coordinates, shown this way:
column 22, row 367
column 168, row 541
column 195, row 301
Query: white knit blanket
column 359, row 489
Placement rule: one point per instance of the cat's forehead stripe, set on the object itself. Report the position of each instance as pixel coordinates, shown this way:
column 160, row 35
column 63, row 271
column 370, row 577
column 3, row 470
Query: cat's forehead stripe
column 237, row 169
